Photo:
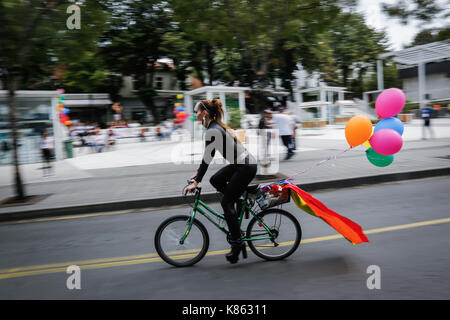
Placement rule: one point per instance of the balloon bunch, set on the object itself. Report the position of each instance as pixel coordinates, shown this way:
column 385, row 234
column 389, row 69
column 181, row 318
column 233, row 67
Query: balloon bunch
column 383, row 141
column 179, row 112
column 63, row 111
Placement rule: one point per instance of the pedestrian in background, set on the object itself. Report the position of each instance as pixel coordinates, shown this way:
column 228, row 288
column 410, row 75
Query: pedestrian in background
column 158, row 132
column 5, row 149
column 99, row 140
column 426, row 113
column 283, row 123
column 142, row 134
column 46, row 146
column 111, row 138
column 294, row 121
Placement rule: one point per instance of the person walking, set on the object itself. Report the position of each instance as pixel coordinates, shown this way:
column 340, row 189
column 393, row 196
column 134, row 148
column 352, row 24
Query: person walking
column 283, row 123
column 426, row 116
column 99, row 140
column 294, row 121
column 46, row 146
column 233, row 179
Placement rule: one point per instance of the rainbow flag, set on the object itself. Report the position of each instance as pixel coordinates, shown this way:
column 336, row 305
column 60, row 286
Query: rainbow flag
column 347, row 228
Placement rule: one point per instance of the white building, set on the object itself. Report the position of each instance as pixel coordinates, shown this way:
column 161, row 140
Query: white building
column 164, row 80
column 425, row 71
column 437, row 82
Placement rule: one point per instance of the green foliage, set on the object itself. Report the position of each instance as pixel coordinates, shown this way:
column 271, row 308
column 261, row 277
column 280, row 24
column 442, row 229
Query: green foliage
column 235, row 42
column 424, row 10
column 354, row 45
column 31, row 48
column 390, row 79
column 431, row 35
column 235, row 118
column 134, row 43
column 177, row 46
column 409, row 107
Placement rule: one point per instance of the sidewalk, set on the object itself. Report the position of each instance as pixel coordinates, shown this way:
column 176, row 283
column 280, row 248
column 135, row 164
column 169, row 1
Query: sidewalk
column 140, row 176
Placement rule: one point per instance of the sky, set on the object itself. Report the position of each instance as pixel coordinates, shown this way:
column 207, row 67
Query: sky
column 399, row 34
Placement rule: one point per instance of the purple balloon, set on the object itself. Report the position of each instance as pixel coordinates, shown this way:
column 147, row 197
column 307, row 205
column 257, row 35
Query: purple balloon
column 390, row 102
column 386, row 142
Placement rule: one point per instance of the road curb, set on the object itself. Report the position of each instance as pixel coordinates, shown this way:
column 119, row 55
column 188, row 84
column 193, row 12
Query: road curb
column 213, row 197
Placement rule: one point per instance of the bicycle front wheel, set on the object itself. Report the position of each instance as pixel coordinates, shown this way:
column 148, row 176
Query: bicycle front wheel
column 274, row 234
column 171, row 248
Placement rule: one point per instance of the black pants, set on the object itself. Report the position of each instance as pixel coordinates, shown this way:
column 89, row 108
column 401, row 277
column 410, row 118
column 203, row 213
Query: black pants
column 232, row 181
column 287, row 141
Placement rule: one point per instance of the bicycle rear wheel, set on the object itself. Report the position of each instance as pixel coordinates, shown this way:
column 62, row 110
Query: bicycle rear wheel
column 168, row 237
column 286, row 234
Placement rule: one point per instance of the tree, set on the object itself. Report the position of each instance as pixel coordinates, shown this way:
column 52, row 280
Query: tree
column 431, row 35
column 79, row 62
column 390, row 78
column 18, row 44
column 133, row 44
column 251, row 43
column 423, row 10
column 90, row 74
column 177, row 47
column 355, row 46
column 30, row 49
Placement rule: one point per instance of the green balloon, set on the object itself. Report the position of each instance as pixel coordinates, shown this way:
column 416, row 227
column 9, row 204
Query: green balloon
column 377, row 159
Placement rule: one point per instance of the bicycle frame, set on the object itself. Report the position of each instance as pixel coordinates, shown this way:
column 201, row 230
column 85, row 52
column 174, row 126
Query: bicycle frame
column 203, row 208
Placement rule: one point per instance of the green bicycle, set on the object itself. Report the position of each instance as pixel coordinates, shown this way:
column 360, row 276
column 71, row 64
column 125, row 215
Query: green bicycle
column 272, row 234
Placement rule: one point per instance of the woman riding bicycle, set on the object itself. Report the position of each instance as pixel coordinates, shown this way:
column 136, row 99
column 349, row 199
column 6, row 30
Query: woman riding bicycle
column 231, row 180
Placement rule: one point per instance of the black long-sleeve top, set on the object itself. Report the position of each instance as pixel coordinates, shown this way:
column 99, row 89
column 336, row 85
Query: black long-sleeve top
column 217, row 138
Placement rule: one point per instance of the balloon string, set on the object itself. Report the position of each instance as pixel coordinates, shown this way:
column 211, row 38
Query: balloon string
column 334, row 157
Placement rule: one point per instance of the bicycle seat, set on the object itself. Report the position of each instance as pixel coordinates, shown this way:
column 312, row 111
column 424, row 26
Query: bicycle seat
column 253, row 189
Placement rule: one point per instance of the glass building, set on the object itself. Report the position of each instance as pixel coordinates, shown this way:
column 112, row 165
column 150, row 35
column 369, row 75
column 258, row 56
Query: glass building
column 35, row 111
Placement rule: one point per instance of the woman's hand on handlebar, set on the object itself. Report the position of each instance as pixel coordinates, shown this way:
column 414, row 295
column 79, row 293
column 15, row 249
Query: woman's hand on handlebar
column 191, row 188
column 194, row 176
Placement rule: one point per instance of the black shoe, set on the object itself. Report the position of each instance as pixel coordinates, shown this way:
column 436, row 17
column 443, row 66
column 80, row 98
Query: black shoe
column 290, row 155
column 236, row 248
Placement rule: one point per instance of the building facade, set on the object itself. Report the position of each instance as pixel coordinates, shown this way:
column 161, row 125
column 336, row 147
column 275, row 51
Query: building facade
column 165, row 82
column 437, row 82
column 35, row 111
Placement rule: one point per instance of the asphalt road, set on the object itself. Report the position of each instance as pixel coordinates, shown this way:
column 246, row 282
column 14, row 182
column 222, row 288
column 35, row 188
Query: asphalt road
column 117, row 258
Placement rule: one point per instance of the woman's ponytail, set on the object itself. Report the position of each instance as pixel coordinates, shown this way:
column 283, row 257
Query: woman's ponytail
column 216, row 113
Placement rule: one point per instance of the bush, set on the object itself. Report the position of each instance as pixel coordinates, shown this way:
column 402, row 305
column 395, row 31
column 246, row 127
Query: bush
column 235, row 118
column 409, row 107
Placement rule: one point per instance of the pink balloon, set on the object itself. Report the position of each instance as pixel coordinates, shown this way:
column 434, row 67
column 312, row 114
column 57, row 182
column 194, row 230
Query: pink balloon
column 390, row 102
column 386, row 142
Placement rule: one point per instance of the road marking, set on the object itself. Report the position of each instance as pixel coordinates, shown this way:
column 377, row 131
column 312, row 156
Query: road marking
column 91, row 215
column 153, row 257
column 145, row 210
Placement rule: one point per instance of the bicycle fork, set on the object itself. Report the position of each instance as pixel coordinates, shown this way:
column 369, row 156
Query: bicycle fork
column 189, row 223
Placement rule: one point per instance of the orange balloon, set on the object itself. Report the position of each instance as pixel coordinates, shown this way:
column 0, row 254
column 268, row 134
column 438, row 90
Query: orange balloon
column 358, row 130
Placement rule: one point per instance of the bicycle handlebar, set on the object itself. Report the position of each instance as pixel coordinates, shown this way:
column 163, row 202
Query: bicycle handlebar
column 197, row 189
